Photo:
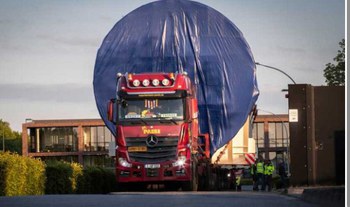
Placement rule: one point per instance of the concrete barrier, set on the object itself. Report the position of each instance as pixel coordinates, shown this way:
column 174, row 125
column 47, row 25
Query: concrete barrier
column 325, row 196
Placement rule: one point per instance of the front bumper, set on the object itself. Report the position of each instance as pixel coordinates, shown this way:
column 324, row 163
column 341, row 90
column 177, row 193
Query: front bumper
column 153, row 172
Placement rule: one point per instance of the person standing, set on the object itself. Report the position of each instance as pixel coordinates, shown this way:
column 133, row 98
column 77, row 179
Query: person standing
column 259, row 174
column 253, row 174
column 268, row 171
column 282, row 174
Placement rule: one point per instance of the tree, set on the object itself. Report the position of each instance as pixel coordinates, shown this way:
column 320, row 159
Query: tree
column 12, row 139
column 335, row 74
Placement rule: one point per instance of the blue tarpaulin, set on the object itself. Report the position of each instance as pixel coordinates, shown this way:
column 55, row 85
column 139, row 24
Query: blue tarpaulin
column 177, row 36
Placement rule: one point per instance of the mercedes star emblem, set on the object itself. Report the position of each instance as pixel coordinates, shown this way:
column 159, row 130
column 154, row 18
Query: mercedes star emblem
column 151, row 141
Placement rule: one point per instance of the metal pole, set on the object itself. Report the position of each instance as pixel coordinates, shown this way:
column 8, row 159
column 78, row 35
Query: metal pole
column 3, row 139
column 279, row 70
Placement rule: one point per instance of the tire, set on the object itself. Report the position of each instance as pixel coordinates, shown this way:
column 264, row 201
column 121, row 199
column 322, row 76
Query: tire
column 192, row 185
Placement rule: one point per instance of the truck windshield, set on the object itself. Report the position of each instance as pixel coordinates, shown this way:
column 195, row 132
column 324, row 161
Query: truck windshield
column 148, row 109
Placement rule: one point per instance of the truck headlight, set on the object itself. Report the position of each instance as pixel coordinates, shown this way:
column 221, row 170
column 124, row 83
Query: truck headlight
column 123, row 162
column 181, row 160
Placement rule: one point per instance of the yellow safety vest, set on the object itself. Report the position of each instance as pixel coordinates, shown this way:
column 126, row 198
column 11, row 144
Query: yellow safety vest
column 252, row 170
column 269, row 169
column 260, row 167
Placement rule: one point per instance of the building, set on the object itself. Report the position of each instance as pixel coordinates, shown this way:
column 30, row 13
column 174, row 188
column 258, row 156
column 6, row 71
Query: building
column 271, row 133
column 87, row 140
column 317, row 131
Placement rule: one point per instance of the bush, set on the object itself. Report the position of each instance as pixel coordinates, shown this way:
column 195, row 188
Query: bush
column 21, row 175
column 36, row 178
column 96, row 180
column 58, row 176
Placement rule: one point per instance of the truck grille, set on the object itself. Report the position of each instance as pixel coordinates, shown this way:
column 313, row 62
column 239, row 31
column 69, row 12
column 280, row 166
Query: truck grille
column 164, row 150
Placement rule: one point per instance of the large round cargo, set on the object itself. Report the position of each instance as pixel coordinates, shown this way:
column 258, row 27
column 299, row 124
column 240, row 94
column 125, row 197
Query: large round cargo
column 177, row 36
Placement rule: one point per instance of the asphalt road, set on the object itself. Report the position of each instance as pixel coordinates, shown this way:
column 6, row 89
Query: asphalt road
column 161, row 199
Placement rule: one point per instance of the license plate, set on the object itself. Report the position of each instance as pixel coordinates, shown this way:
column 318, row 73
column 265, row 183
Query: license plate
column 137, row 149
column 152, row 166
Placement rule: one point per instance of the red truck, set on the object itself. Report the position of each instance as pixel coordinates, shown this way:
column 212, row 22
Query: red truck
column 157, row 130
column 158, row 140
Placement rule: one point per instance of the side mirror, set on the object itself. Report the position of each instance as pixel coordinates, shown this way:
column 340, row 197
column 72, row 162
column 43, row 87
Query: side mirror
column 110, row 110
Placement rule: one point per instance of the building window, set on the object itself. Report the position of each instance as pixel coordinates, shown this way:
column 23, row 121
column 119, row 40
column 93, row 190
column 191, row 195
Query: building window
column 272, row 135
column 60, row 158
column 54, row 139
column 278, row 134
column 258, row 134
column 101, row 161
column 96, row 138
column 87, row 138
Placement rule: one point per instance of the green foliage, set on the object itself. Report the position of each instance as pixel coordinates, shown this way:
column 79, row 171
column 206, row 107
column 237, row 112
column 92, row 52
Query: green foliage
column 62, row 177
column 96, row 180
column 13, row 145
column 77, row 173
column 20, row 175
column 36, row 179
column 335, row 74
column 6, row 131
column 27, row 176
column 58, row 175
column 13, row 139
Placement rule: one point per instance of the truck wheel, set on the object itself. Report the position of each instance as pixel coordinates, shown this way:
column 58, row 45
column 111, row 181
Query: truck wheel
column 213, row 182
column 122, row 187
column 193, row 184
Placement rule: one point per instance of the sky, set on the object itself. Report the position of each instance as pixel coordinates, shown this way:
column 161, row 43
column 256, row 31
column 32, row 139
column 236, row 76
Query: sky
column 48, row 50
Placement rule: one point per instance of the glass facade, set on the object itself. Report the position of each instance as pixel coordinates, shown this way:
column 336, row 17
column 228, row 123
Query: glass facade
column 258, row 134
column 98, row 160
column 54, row 139
column 278, row 134
column 96, row 138
column 272, row 140
column 60, row 158
column 62, row 143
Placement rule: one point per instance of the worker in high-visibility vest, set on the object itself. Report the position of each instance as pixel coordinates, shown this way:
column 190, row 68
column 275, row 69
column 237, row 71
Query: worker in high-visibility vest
column 259, row 174
column 268, row 171
column 238, row 182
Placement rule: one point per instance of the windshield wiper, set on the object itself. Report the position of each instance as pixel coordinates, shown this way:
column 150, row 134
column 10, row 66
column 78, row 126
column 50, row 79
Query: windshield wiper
column 137, row 121
column 168, row 119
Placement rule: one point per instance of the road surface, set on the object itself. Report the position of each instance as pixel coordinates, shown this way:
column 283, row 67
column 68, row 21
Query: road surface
column 161, row 199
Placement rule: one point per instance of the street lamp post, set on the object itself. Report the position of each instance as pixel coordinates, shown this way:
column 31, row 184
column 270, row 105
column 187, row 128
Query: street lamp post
column 279, row 70
column 3, row 140
column 283, row 90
